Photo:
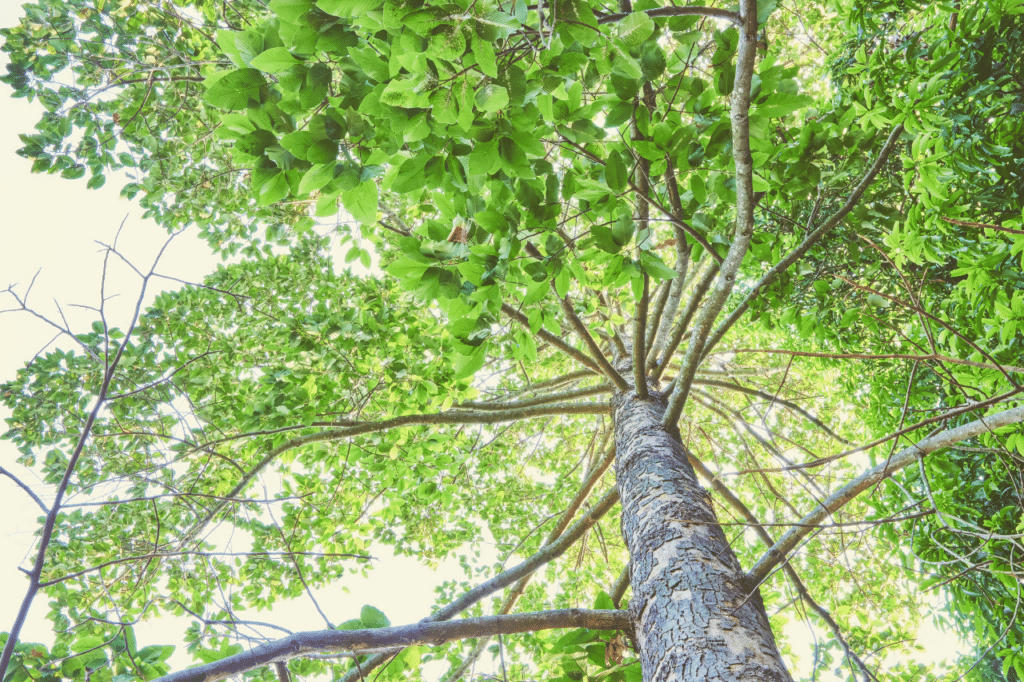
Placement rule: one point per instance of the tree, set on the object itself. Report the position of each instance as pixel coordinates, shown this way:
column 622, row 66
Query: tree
column 654, row 237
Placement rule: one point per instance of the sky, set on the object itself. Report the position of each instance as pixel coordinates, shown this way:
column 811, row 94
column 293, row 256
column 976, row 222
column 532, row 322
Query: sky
column 49, row 229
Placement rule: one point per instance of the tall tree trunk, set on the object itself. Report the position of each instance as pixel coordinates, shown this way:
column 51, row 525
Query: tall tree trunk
column 692, row 612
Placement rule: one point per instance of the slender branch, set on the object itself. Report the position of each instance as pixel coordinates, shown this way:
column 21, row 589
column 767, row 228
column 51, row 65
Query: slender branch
column 985, row 226
column 713, row 12
column 46, row 533
column 932, row 357
column 24, row 486
column 872, row 477
column 358, row 428
column 581, row 329
column 162, row 554
column 619, row 587
column 775, row 399
column 678, row 222
column 639, row 352
column 700, row 290
column 418, row 634
column 675, row 295
column 745, row 202
column 661, row 295
column 643, row 189
column 558, row 343
column 539, row 400
column 808, row 242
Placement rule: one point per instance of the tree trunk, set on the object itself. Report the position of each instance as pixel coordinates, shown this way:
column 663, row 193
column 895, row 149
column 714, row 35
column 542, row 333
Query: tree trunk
column 692, row 612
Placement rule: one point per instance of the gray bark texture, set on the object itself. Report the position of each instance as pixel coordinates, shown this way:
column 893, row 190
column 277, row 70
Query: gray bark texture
column 693, row 616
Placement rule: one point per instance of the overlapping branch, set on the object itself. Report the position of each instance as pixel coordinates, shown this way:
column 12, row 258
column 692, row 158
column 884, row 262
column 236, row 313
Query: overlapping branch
column 744, row 162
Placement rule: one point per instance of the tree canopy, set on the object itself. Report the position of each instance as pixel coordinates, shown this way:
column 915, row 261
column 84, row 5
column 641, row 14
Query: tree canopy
column 793, row 230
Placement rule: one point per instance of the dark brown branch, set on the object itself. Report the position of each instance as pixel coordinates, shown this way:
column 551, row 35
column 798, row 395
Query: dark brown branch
column 417, row 634
column 558, row 343
column 581, row 329
column 984, row 226
column 677, row 12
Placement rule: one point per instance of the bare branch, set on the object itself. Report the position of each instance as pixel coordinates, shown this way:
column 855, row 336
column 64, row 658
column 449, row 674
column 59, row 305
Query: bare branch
column 581, row 329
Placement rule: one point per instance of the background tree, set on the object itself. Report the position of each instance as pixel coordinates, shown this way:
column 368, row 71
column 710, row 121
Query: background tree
column 654, row 236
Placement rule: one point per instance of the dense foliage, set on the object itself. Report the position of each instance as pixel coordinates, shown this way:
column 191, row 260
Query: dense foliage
column 822, row 265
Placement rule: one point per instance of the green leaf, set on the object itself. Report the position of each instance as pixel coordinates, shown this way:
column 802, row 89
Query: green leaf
column 765, row 8
column 315, row 178
column 290, row 10
column 780, row 104
column 447, row 42
column 314, row 88
column 635, row 29
column 235, row 89
column 361, row 202
column 654, row 266
column 622, row 231
column 483, row 50
column 348, row 8
column 274, row 60
column 468, row 365
column 615, row 172
column 273, row 190
column 372, row 617
column 73, row 172
column 492, row 97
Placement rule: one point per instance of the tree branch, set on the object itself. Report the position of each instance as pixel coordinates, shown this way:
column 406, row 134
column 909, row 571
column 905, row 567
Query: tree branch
column 713, row 12
column 871, row 478
column 357, row 428
column 429, row 634
column 517, row 590
column 558, row 343
column 807, row 243
column 699, row 291
column 539, row 400
column 503, row 579
column 581, row 329
column 46, row 533
column 775, row 399
column 745, row 202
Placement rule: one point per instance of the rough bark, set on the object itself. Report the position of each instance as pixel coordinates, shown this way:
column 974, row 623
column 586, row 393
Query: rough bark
column 693, row 615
